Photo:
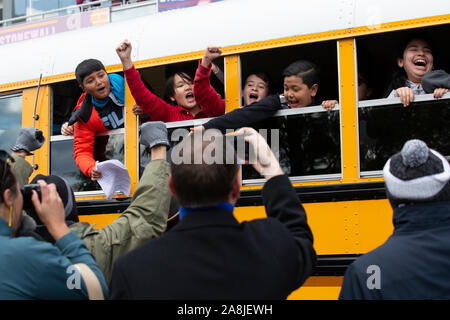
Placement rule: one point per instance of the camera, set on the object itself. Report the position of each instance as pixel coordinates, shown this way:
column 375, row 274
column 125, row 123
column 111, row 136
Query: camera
column 27, row 192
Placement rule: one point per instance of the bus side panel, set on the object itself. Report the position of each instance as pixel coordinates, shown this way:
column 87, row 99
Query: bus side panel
column 100, row 220
column 345, row 227
column 318, row 288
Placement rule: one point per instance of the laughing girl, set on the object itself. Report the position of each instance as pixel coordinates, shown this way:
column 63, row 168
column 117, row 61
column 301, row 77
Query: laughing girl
column 414, row 60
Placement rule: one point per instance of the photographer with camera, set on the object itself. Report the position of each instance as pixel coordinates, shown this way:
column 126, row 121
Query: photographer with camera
column 29, row 139
column 32, row 269
column 144, row 219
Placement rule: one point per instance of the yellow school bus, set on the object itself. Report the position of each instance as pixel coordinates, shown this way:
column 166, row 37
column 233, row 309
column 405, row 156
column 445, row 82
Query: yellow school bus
column 333, row 158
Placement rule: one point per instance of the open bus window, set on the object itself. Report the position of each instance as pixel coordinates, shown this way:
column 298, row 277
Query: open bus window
column 10, row 120
column 107, row 146
column 272, row 62
column 155, row 79
column 62, row 163
column 377, row 56
column 65, row 96
column 385, row 125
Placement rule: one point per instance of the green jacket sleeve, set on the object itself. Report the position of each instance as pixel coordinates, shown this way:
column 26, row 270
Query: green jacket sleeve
column 144, row 219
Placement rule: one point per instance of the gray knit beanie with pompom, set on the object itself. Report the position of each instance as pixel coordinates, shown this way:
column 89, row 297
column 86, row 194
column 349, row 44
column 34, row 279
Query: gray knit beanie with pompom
column 417, row 174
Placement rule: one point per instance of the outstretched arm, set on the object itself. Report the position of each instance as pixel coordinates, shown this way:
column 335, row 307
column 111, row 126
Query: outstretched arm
column 124, row 52
column 155, row 107
column 146, row 217
column 247, row 116
column 205, row 95
column 281, row 201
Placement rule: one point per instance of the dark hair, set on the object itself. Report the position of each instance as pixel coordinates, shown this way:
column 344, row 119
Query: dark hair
column 399, row 76
column 8, row 181
column 306, row 70
column 86, row 67
column 203, row 184
column 262, row 75
column 170, row 85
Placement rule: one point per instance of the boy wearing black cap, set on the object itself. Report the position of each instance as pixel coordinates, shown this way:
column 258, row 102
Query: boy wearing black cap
column 99, row 109
column 414, row 261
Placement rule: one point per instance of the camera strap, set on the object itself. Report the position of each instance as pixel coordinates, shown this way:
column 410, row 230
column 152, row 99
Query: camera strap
column 94, row 289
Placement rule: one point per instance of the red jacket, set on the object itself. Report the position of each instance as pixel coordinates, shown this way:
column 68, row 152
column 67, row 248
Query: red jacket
column 159, row 110
column 84, row 138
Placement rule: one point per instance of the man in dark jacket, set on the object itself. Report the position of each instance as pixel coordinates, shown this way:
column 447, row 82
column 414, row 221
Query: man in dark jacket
column 414, row 262
column 209, row 254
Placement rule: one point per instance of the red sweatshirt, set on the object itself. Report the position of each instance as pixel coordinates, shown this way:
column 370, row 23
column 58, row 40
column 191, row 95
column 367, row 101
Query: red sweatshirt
column 159, row 110
column 204, row 93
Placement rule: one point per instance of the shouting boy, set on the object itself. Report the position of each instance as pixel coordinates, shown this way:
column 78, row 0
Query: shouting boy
column 99, row 109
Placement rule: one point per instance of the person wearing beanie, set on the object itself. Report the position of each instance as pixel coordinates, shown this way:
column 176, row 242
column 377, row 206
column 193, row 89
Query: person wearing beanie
column 144, row 219
column 29, row 139
column 414, row 261
column 70, row 208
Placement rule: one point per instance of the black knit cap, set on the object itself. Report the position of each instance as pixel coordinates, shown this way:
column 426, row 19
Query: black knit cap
column 67, row 196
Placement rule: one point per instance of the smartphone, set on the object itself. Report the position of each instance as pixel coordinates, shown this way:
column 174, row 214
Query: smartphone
column 27, row 192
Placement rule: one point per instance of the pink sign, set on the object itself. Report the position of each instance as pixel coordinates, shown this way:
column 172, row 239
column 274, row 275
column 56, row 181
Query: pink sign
column 48, row 27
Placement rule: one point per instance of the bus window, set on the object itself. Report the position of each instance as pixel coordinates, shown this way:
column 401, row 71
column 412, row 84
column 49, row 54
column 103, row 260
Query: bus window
column 107, row 146
column 377, row 56
column 307, row 144
column 10, row 120
column 65, row 96
column 155, row 79
column 272, row 62
column 309, row 138
column 62, row 163
column 385, row 125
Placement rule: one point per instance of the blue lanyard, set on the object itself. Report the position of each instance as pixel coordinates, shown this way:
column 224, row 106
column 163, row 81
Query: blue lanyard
column 221, row 206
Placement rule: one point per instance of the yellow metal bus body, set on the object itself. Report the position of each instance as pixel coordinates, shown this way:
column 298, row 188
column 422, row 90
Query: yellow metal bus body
column 355, row 216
